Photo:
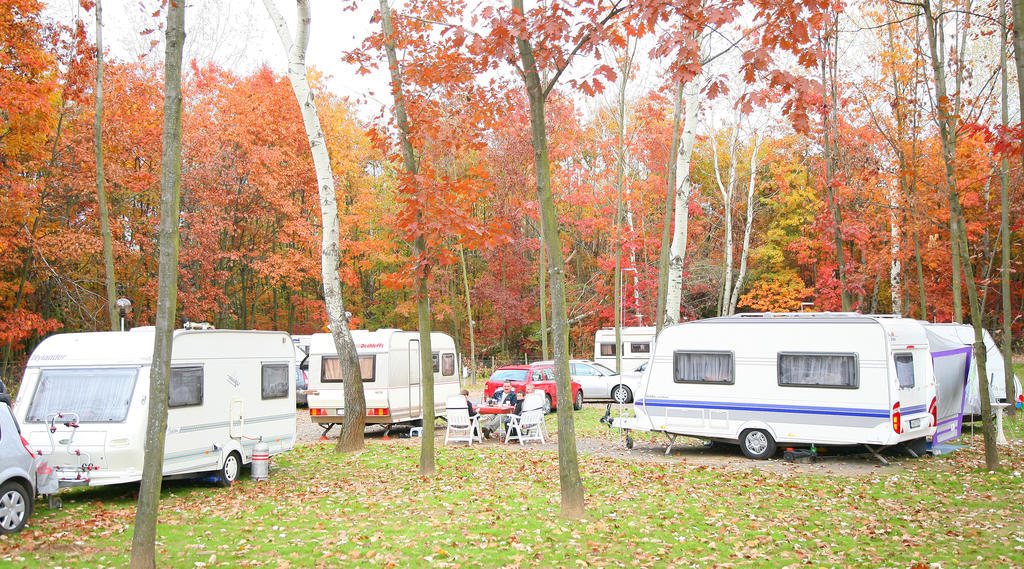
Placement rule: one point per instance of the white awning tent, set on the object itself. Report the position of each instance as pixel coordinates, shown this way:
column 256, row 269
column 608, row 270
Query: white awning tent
column 946, row 339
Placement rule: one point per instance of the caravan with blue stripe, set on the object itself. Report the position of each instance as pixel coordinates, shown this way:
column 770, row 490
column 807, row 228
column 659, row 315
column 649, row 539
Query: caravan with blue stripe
column 800, row 379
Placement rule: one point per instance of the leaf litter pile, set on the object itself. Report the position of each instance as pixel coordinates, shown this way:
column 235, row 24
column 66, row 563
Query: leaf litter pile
column 498, row 506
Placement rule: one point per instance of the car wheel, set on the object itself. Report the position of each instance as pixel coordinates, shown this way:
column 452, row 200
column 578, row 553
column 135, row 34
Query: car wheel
column 230, row 470
column 547, row 404
column 14, row 507
column 621, row 394
column 577, row 403
column 757, row 444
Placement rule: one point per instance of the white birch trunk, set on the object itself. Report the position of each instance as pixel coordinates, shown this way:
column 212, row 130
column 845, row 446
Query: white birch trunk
column 351, row 437
column 895, row 265
column 677, row 254
column 747, row 229
column 726, row 191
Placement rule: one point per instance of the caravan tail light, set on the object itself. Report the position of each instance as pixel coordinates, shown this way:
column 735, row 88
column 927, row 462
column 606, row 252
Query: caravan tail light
column 28, row 448
column 377, row 412
column 933, row 410
column 896, row 424
column 316, row 412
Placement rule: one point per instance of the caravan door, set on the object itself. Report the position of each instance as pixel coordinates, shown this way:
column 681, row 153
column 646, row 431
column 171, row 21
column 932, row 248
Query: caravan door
column 415, row 405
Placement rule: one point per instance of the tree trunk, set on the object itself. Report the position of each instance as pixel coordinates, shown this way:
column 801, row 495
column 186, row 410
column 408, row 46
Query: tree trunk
column 747, row 229
column 666, row 230
column 351, row 437
column 1018, row 49
column 895, row 266
column 101, row 192
column 677, row 253
column 419, row 248
column 543, row 288
column 620, row 166
column 829, row 63
column 571, row 484
column 469, row 317
column 1005, row 228
column 144, row 538
column 947, row 135
column 727, row 192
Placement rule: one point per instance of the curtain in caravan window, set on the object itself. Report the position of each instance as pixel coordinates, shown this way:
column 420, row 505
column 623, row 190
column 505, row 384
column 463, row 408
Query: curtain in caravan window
column 607, row 349
column 448, row 364
column 640, row 347
column 703, row 367
column 904, row 370
column 366, row 368
column 330, row 369
column 97, row 395
column 818, row 370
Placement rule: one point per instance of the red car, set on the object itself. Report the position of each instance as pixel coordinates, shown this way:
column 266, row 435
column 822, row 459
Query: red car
column 543, row 378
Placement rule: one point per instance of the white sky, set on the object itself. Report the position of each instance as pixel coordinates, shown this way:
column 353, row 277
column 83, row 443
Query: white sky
column 237, row 35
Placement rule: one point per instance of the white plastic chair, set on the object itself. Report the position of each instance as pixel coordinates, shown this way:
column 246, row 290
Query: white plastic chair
column 533, row 402
column 461, row 427
column 526, row 427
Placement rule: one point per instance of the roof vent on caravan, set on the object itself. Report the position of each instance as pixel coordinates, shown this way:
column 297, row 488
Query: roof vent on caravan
column 189, row 325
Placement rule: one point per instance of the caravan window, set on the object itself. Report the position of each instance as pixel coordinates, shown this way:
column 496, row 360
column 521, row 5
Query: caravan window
column 97, row 395
column 448, row 364
column 275, row 381
column 330, row 371
column 703, row 367
column 640, row 347
column 186, row 387
column 904, row 370
column 607, row 349
column 818, row 370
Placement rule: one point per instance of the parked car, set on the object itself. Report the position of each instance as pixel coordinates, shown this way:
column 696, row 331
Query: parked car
column 543, row 378
column 599, row 382
column 17, row 472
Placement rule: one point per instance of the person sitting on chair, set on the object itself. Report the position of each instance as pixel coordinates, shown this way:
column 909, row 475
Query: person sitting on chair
column 469, row 404
column 504, row 396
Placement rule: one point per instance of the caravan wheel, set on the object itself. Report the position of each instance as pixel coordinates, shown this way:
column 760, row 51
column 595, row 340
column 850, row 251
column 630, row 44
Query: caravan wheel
column 757, row 443
column 229, row 472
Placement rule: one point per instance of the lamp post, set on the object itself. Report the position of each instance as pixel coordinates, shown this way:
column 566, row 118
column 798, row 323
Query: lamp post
column 124, row 307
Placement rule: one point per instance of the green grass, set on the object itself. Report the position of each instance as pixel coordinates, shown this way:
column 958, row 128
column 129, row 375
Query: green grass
column 494, row 505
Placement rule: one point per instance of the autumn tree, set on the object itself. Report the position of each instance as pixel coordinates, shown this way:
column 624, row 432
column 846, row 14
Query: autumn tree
column 144, row 539
column 419, row 247
column 351, row 437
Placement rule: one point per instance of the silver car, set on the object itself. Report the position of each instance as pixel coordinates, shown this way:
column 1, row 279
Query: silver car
column 599, row 382
column 18, row 466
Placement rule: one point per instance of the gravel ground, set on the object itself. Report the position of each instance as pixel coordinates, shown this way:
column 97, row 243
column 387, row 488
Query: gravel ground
column 687, row 451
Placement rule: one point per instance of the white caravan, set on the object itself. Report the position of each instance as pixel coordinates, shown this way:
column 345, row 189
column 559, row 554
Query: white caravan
column 389, row 360
column 637, row 344
column 798, row 379
column 84, row 400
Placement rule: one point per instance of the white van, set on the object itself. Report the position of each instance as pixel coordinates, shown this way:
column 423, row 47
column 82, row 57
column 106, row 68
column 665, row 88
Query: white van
column 637, row 344
column 84, row 400
column 389, row 360
column 798, row 379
